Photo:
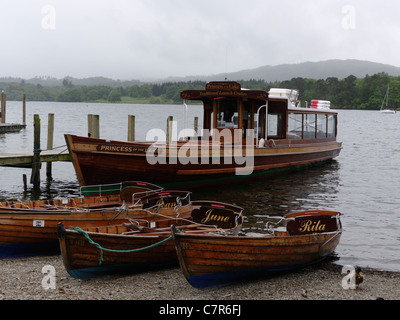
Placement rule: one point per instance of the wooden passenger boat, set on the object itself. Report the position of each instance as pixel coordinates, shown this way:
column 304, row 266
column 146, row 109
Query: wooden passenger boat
column 217, row 260
column 246, row 134
column 133, row 246
column 29, row 228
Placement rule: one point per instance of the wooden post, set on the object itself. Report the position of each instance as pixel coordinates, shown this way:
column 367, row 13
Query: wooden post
column 131, row 128
column 24, row 108
column 96, row 126
column 35, row 177
column 90, row 125
column 169, row 129
column 50, row 134
column 93, row 125
column 24, row 181
column 3, row 107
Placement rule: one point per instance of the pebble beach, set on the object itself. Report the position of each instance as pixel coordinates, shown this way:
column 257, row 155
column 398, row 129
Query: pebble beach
column 26, row 279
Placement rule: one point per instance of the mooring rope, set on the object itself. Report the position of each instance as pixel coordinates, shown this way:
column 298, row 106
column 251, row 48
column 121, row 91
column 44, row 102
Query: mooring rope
column 85, row 234
column 49, row 149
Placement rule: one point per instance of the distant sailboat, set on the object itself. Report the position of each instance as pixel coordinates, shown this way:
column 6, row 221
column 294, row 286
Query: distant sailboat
column 384, row 107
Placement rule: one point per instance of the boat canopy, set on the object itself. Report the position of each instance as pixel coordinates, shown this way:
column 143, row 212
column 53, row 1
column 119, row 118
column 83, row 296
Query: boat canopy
column 276, row 114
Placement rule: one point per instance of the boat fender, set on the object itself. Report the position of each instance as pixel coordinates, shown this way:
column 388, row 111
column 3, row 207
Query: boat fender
column 261, row 144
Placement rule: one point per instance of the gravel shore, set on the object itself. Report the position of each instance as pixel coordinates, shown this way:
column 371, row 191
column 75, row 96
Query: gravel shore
column 21, row 279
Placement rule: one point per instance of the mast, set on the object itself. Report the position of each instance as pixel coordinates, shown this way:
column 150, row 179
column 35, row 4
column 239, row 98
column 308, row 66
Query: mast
column 386, row 98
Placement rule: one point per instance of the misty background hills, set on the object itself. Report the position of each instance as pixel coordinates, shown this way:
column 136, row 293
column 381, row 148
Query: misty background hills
column 340, row 69
column 311, row 70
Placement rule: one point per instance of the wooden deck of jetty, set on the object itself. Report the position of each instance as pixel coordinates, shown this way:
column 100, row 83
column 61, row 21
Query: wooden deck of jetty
column 34, row 159
column 11, row 127
column 25, row 159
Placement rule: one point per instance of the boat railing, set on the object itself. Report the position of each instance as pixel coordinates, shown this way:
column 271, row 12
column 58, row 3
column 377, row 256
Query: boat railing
column 154, row 201
column 100, row 190
column 266, row 123
column 336, row 234
column 138, row 196
column 103, row 190
column 152, row 211
column 155, row 210
column 271, row 226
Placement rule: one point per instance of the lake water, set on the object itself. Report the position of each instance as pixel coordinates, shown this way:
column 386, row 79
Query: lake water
column 362, row 183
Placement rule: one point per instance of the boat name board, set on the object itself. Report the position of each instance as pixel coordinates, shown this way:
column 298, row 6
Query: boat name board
column 161, row 203
column 258, row 95
column 312, row 224
column 223, row 86
column 38, row 223
column 224, row 219
column 124, row 149
column 165, row 200
column 221, row 89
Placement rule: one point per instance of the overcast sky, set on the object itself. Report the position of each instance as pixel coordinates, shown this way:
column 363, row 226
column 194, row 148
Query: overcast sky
column 138, row 39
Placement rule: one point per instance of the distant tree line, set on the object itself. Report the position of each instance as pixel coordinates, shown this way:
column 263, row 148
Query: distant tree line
column 349, row 93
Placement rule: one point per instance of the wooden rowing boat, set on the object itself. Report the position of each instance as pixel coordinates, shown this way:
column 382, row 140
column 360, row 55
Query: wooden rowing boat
column 246, row 134
column 28, row 228
column 133, row 246
column 216, row 260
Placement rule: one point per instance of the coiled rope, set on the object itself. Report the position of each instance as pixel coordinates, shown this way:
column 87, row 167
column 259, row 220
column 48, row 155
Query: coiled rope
column 85, row 234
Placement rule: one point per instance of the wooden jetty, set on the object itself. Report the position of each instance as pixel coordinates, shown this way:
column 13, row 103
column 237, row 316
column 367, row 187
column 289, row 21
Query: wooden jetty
column 34, row 159
column 25, row 159
column 11, row 127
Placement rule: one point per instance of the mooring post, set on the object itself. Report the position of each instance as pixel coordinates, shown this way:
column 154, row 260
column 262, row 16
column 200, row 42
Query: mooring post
column 24, row 108
column 24, row 181
column 3, row 107
column 94, row 125
column 169, row 129
column 50, row 135
column 35, row 177
column 131, row 128
column 90, row 125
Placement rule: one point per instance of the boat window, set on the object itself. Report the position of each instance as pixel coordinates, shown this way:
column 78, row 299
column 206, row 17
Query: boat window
column 295, row 126
column 227, row 116
column 332, row 125
column 247, row 120
column 321, row 126
column 274, row 125
column 309, row 125
column 257, row 124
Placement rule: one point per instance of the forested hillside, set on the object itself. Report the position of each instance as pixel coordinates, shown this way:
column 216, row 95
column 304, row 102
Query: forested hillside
column 347, row 93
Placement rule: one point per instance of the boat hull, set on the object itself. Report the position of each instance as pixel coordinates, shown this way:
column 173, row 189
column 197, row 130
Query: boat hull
column 84, row 260
column 212, row 261
column 101, row 161
column 23, row 235
column 29, row 228
column 388, row 111
column 94, row 252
